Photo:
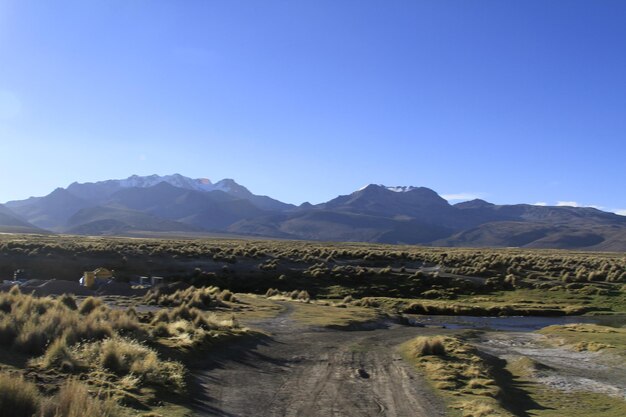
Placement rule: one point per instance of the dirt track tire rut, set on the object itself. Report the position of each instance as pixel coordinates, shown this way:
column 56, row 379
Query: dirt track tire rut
column 310, row 373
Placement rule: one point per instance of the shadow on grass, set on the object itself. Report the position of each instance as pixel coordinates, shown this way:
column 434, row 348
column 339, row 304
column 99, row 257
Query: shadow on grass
column 13, row 358
column 514, row 396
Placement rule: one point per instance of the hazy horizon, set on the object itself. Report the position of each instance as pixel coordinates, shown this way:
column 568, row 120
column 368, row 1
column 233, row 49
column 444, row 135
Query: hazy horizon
column 516, row 102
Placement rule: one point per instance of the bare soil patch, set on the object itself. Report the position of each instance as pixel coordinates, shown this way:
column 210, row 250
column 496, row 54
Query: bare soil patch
column 309, row 372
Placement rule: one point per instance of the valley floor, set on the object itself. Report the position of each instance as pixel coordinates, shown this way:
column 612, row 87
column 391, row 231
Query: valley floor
column 358, row 370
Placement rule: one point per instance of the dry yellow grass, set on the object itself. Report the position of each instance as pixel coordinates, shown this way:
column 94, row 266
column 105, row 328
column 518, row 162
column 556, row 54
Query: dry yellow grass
column 478, row 409
column 591, row 337
column 74, row 400
column 425, row 346
column 125, row 357
column 299, row 295
column 454, row 367
column 203, row 298
column 18, row 398
column 31, row 324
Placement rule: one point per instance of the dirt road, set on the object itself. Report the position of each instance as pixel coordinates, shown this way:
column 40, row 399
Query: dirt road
column 310, row 372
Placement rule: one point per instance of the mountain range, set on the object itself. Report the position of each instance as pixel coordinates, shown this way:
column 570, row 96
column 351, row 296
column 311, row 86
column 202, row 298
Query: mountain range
column 375, row 213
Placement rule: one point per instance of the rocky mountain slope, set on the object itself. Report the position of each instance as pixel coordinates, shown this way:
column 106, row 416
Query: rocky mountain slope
column 375, row 213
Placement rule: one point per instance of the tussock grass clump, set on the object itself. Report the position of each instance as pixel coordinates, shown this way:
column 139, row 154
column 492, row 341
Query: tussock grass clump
column 212, row 322
column 18, row 398
column 34, row 336
column 478, row 409
column 201, row 319
column 367, row 302
column 186, row 327
column 8, row 330
column 452, row 364
column 301, row 295
column 90, row 328
column 89, row 305
column 298, row 295
column 74, row 400
column 69, row 301
column 33, row 325
column 271, row 292
column 227, row 295
column 161, row 316
column 124, row 356
column 202, row 329
column 424, row 346
column 124, row 322
column 160, row 330
column 462, row 373
column 15, row 290
column 205, row 298
column 58, row 355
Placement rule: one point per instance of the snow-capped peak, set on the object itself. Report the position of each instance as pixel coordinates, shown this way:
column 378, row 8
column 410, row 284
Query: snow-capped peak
column 401, row 188
column 397, row 189
column 177, row 180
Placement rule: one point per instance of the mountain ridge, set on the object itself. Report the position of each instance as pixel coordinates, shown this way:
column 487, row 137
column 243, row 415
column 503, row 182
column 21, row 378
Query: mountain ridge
column 374, row 213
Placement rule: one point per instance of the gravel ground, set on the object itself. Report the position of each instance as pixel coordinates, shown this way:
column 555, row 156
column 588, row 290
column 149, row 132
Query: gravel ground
column 309, row 372
column 565, row 369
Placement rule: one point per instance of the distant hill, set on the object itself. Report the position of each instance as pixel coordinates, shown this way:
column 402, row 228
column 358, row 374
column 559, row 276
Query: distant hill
column 213, row 210
column 418, row 215
column 113, row 221
column 375, row 213
column 11, row 223
column 193, row 204
column 52, row 211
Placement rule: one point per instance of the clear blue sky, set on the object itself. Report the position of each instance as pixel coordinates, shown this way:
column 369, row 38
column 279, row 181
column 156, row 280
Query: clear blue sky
column 514, row 101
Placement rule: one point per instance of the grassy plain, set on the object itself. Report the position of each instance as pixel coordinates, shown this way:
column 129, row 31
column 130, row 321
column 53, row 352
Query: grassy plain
column 132, row 355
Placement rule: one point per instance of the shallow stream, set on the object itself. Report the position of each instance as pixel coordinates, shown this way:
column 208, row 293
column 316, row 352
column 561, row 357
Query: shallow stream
column 511, row 323
column 560, row 368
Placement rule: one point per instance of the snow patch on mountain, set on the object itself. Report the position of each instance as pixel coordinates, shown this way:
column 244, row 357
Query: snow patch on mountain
column 177, row 180
column 401, row 188
column 396, row 189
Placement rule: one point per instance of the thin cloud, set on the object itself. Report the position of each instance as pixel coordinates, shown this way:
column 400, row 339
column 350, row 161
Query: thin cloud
column 621, row 212
column 540, row 203
column 462, row 196
column 567, row 204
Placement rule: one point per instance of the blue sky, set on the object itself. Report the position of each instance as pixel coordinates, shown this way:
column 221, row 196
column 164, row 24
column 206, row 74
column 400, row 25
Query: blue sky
column 511, row 101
